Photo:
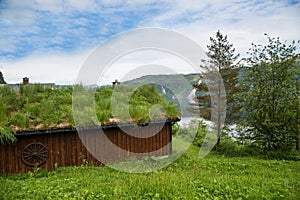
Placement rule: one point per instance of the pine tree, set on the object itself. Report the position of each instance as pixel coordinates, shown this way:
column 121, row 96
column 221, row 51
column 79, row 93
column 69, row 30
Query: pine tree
column 2, row 81
column 222, row 58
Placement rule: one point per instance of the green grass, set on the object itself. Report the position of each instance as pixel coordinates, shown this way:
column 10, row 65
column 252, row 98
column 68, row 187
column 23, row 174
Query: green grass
column 35, row 107
column 215, row 177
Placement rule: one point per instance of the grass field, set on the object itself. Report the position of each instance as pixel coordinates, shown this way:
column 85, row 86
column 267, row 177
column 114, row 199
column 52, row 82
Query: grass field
column 215, row 177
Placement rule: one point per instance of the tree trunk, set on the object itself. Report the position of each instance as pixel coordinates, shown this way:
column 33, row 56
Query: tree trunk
column 218, row 128
column 219, row 116
column 218, row 144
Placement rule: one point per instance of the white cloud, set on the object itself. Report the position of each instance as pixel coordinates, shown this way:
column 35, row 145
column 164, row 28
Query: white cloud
column 18, row 17
column 86, row 5
column 243, row 21
column 59, row 69
column 49, row 6
column 145, row 62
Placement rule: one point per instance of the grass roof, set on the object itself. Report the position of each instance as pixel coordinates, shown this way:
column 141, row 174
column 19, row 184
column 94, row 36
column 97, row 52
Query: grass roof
column 35, row 107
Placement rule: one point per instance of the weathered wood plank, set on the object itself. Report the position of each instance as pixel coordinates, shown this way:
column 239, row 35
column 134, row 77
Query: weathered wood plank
column 67, row 148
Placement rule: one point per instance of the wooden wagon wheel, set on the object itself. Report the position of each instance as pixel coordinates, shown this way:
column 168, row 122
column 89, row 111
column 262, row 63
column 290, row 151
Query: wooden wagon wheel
column 34, row 154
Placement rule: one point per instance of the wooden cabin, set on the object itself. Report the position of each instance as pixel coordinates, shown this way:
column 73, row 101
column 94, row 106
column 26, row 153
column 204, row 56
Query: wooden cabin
column 69, row 147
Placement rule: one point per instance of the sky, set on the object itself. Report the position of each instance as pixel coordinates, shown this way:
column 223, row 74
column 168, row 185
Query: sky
column 48, row 41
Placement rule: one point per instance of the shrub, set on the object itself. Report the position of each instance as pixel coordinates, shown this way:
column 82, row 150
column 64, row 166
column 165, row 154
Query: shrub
column 6, row 136
column 196, row 132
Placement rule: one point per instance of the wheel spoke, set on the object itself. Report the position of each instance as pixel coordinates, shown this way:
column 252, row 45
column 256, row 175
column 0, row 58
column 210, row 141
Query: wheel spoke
column 27, row 153
column 41, row 157
column 44, row 154
column 34, row 154
column 34, row 147
column 29, row 150
column 42, row 150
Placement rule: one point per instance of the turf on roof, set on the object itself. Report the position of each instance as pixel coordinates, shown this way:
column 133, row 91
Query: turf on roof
column 34, row 107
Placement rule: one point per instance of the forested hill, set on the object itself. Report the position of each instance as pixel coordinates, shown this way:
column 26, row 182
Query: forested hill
column 168, row 81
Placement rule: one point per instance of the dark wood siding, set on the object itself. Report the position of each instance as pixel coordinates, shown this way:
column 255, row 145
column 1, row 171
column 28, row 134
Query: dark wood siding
column 66, row 148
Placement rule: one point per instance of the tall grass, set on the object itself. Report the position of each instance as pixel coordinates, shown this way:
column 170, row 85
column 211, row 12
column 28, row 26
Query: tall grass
column 36, row 107
column 214, row 177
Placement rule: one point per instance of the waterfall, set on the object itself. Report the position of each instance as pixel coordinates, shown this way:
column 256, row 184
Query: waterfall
column 163, row 89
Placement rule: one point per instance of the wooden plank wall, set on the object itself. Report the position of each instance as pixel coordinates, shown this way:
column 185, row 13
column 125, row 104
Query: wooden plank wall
column 68, row 149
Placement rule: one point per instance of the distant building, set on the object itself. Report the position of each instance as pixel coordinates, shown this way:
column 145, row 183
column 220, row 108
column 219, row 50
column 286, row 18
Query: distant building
column 25, row 81
column 116, row 82
column 16, row 87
